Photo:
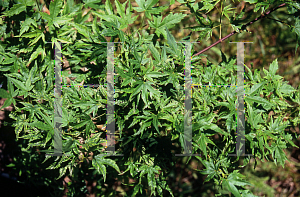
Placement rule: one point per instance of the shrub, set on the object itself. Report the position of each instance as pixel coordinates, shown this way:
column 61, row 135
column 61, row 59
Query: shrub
column 149, row 94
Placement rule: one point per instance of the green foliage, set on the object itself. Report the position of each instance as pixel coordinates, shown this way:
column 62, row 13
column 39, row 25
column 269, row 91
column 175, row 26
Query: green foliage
column 149, row 94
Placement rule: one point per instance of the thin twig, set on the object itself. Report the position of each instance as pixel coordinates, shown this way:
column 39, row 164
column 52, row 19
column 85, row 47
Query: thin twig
column 278, row 21
column 234, row 32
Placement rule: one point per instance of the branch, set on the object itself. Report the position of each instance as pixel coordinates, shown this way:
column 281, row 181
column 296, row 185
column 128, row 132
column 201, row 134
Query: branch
column 244, row 26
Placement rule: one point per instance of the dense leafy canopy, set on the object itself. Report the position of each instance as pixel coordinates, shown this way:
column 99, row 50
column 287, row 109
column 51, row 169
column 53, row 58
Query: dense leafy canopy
column 149, row 91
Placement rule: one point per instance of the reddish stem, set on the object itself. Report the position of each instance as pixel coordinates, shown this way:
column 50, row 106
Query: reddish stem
column 234, row 32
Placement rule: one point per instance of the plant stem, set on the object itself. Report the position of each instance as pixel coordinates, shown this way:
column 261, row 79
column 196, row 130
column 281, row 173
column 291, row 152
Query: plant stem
column 221, row 20
column 279, row 21
column 234, row 32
